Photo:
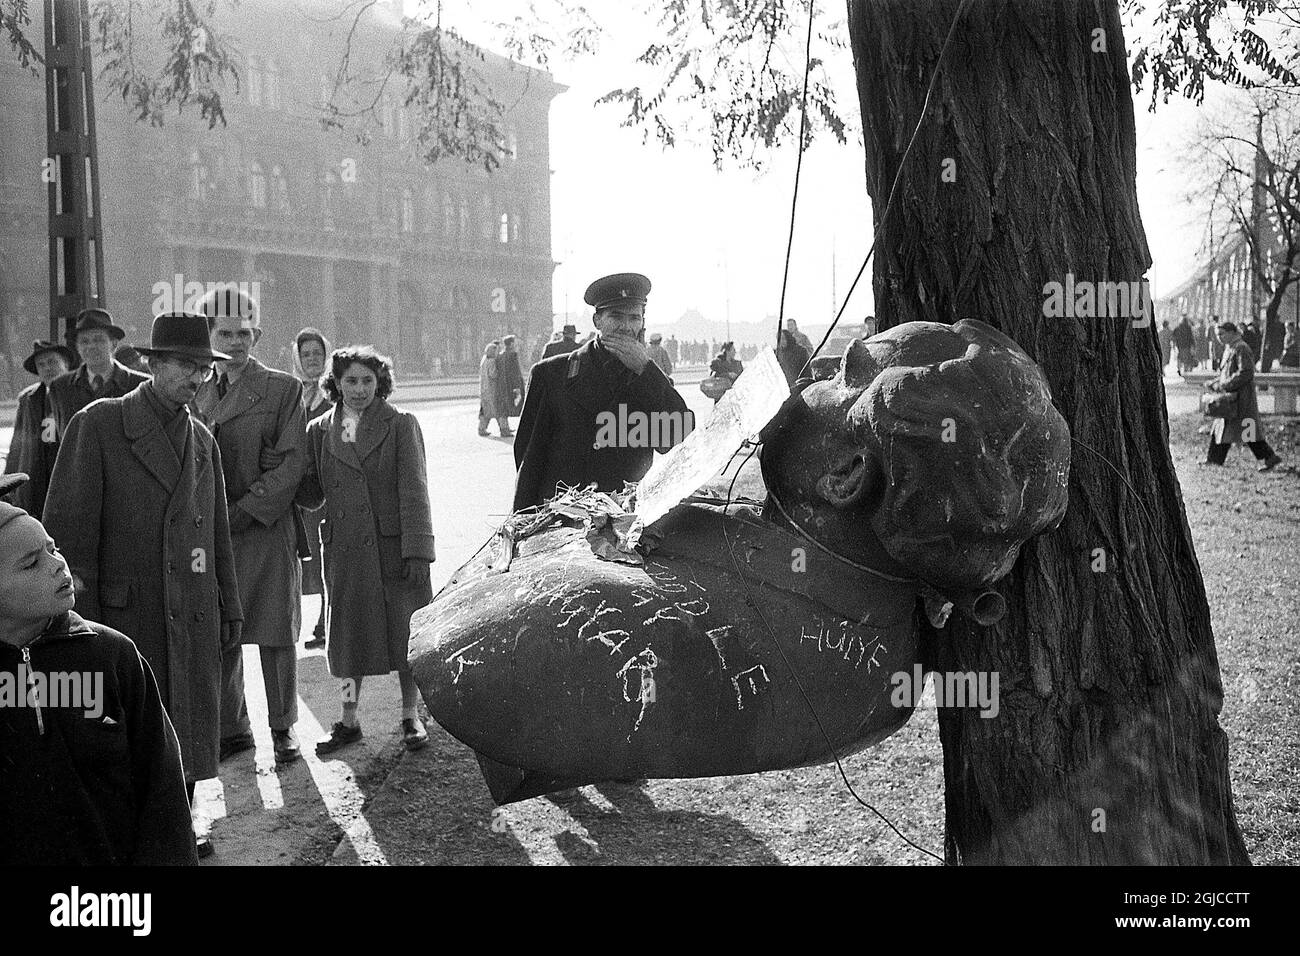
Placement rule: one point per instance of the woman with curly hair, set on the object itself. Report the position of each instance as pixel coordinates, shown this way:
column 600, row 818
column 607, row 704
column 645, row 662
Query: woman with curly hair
column 366, row 465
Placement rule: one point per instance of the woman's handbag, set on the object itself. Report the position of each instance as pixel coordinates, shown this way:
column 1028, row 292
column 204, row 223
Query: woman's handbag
column 715, row 386
column 1219, row 404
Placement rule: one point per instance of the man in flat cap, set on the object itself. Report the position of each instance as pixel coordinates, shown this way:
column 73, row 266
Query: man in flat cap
column 563, row 434
column 35, row 442
column 256, row 415
column 137, row 503
column 94, row 336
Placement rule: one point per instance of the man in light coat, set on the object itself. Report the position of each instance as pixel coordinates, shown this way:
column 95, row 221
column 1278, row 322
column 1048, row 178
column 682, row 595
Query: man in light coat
column 1237, row 376
column 256, row 416
column 137, row 503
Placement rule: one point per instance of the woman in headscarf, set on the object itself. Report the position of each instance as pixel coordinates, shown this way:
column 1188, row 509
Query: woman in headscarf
column 487, row 387
column 309, row 352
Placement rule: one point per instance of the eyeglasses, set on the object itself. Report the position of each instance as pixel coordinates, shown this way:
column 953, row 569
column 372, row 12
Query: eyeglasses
column 193, row 368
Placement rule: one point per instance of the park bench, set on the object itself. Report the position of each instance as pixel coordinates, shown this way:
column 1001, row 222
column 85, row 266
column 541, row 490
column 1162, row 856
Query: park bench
column 1283, row 386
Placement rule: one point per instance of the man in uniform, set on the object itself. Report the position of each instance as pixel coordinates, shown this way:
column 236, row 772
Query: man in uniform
column 100, row 376
column 256, row 415
column 35, row 442
column 567, row 343
column 567, row 394
column 137, row 503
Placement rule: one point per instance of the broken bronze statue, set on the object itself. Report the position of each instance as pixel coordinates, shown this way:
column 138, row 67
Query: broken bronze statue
column 917, row 471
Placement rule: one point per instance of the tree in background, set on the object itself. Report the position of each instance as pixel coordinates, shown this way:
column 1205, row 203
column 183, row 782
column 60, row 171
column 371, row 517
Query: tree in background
column 1245, row 165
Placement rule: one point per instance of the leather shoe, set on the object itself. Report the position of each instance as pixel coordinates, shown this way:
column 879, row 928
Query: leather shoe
column 203, row 844
column 316, row 643
column 286, row 745
column 1271, row 462
column 414, row 736
column 340, row 736
column 236, row 744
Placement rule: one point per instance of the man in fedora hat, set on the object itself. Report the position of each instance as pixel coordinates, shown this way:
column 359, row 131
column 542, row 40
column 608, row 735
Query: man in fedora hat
column 256, row 415
column 100, row 375
column 35, row 442
column 558, row 439
column 567, row 343
column 137, row 502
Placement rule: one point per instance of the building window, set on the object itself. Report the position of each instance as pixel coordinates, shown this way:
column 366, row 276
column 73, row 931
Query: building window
column 517, row 227
column 279, row 189
column 486, row 220
column 512, row 144
column 254, row 79
column 271, row 86
column 408, row 211
column 503, row 228
column 200, row 184
column 430, row 219
column 257, row 185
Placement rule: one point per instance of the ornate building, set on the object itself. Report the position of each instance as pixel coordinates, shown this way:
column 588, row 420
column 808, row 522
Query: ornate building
column 363, row 241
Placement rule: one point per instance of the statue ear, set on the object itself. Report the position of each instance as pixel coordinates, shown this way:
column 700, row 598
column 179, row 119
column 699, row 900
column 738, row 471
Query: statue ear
column 857, row 368
column 847, row 482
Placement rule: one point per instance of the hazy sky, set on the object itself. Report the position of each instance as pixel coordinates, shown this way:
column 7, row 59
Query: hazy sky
column 708, row 238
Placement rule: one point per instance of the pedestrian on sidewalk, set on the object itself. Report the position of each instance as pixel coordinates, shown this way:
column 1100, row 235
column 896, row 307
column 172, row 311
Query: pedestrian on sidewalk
column 95, row 781
column 1184, row 343
column 311, row 349
column 255, row 412
column 510, row 385
column 366, row 465
column 1241, row 425
column 137, row 502
column 487, row 390
column 35, row 442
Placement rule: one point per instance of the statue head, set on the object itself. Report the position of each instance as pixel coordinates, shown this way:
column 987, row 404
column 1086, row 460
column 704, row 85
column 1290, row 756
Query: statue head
column 933, row 451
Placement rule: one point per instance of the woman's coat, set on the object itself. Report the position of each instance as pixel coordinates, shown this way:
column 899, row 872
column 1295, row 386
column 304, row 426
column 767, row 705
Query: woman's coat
column 376, row 506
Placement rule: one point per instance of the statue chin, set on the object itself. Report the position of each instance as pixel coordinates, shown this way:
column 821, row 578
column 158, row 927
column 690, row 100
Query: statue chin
column 760, row 640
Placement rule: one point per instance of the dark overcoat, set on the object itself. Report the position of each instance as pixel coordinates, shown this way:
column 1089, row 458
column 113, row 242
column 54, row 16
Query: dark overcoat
column 95, row 787
column 376, row 499
column 262, row 410
column 149, row 538
column 33, row 448
column 510, row 380
column 312, row 580
column 71, row 391
column 1237, row 374
column 557, row 430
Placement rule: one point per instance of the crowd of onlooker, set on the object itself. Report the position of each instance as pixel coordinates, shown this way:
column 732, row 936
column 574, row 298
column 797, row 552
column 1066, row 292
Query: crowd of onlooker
column 1191, row 345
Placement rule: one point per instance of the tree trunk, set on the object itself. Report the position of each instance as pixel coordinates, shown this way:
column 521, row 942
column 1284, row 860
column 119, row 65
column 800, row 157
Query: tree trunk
column 1107, row 746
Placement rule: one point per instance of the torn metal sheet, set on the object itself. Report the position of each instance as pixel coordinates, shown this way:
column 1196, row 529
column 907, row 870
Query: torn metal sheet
column 742, row 413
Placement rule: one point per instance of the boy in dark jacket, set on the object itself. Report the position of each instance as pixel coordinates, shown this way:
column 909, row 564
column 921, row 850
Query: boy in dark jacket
column 90, row 768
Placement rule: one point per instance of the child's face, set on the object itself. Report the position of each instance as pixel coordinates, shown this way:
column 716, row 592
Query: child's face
column 34, row 579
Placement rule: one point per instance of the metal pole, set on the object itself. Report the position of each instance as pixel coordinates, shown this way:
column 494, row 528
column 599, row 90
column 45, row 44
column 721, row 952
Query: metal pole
column 76, row 255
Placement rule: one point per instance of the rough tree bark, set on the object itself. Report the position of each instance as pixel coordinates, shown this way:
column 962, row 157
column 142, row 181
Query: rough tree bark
column 1110, row 687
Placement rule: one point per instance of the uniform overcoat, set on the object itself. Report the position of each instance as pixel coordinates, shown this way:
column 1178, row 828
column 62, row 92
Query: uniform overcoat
column 263, row 409
column 34, row 447
column 376, row 499
column 1237, row 374
column 557, row 431
column 313, row 581
column 147, row 533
